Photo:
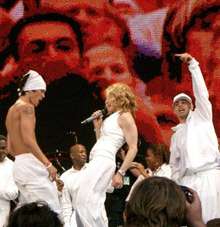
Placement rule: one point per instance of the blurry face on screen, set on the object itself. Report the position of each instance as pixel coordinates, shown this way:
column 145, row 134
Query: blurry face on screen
column 96, row 27
column 201, row 39
column 85, row 12
column 106, row 64
column 6, row 23
column 105, row 30
column 50, row 48
column 203, row 42
column 126, row 9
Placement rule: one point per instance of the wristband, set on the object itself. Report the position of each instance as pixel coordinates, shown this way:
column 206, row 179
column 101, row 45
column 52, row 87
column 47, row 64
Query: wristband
column 121, row 172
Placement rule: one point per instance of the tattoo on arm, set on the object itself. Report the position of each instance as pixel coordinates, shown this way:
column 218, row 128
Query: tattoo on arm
column 28, row 110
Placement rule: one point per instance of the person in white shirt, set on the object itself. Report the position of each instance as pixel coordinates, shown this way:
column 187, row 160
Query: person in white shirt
column 195, row 158
column 8, row 188
column 157, row 159
column 78, row 155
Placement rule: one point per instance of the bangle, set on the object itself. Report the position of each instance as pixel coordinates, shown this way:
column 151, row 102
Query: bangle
column 49, row 165
column 121, row 172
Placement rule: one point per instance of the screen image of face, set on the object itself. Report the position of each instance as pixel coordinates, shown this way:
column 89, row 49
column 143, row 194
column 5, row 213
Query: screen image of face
column 79, row 48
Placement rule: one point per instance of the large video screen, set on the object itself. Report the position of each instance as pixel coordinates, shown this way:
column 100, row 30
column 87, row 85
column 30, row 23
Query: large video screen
column 81, row 47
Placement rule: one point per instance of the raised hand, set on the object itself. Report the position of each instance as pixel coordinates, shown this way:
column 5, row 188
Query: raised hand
column 140, row 168
column 184, row 57
column 97, row 122
column 194, row 211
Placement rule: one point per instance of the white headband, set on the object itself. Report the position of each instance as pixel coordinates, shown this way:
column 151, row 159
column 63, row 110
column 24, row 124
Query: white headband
column 182, row 96
column 34, row 82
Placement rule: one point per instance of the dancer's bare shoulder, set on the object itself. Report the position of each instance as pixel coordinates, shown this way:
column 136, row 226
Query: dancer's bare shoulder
column 18, row 110
column 27, row 109
column 21, row 107
column 126, row 117
column 20, row 118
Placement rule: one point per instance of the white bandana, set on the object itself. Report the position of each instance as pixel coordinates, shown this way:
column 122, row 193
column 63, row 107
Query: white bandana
column 34, row 82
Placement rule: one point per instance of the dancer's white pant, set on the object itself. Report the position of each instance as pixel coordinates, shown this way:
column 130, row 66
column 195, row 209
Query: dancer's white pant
column 207, row 185
column 72, row 222
column 32, row 180
column 94, row 182
column 4, row 212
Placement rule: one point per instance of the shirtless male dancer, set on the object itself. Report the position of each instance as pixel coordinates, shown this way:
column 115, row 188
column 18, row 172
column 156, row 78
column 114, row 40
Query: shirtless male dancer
column 33, row 172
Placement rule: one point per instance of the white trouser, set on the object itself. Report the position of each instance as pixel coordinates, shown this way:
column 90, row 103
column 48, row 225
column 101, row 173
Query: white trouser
column 32, row 180
column 4, row 212
column 207, row 185
column 94, row 182
column 72, row 222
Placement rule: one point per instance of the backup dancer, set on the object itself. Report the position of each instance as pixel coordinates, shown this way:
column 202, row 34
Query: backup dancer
column 33, row 172
column 195, row 158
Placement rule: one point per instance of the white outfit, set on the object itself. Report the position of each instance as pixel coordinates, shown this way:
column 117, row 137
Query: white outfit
column 32, row 179
column 68, row 199
column 163, row 171
column 194, row 149
column 69, row 173
column 95, row 179
column 8, row 189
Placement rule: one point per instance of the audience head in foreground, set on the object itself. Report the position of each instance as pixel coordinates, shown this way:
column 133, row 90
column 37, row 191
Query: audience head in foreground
column 156, row 202
column 37, row 214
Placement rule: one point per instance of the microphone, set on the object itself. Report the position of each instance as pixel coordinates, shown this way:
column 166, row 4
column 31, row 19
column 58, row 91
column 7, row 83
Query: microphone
column 91, row 118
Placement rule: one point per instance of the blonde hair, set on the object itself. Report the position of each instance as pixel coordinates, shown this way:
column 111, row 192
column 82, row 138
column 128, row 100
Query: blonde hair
column 124, row 96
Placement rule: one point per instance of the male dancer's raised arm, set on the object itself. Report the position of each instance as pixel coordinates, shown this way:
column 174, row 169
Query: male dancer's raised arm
column 202, row 104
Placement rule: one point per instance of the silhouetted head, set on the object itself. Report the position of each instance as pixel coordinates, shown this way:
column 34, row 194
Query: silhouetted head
column 36, row 214
column 156, row 202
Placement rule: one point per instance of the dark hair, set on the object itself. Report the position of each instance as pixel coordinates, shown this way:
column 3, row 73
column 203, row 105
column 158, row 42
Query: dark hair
column 16, row 30
column 75, row 147
column 36, row 214
column 214, row 222
column 21, row 81
column 7, row 4
column 180, row 18
column 161, row 151
column 156, row 202
column 2, row 137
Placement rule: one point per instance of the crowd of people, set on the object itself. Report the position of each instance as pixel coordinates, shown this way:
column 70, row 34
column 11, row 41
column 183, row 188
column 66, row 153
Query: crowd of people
column 141, row 61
